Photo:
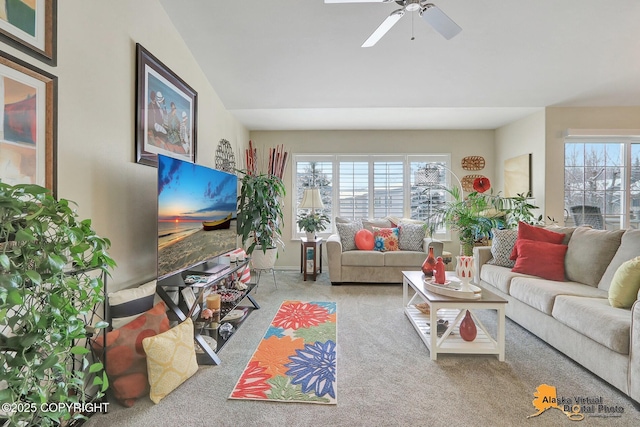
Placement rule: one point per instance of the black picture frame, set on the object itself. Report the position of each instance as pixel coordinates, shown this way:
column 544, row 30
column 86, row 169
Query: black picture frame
column 167, row 126
column 35, row 30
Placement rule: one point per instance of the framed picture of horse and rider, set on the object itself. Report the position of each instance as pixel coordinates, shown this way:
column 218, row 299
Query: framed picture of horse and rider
column 166, row 112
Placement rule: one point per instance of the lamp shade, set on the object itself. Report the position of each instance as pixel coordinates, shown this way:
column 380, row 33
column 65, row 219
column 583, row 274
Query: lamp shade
column 311, row 199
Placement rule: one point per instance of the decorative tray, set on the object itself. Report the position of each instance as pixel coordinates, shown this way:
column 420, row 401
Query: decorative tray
column 452, row 289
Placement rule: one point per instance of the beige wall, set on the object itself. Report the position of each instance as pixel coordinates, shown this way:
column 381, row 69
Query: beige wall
column 458, row 143
column 96, row 147
column 524, row 136
column 558, row 120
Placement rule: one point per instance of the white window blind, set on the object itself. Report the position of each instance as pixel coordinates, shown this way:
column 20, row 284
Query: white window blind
column 372, row 186
column 353, row 200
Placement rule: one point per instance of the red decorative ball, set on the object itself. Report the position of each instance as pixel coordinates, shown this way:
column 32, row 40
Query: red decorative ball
column 364, row 240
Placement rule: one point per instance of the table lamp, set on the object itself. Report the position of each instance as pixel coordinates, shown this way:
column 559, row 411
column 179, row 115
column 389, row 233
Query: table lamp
column 311, row 199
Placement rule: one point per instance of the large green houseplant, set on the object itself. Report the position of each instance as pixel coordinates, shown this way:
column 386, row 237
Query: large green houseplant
column 260, row 216
column 473, row 217
column 47, row 293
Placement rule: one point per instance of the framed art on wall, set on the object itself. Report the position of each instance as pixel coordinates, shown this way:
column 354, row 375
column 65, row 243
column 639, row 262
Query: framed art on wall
column 517, row 176
column 30, row 26
column 28, row 99
column 166, row 112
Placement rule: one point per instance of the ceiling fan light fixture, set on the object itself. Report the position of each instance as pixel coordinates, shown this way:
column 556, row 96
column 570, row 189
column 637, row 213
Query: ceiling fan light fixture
column 440, row 21
column 412, row 5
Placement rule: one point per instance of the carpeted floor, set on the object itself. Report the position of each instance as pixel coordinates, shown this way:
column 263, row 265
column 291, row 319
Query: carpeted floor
column 385, row 375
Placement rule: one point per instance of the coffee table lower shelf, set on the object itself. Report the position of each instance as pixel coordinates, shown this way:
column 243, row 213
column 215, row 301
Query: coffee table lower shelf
column 452, row 310
column 453, row 343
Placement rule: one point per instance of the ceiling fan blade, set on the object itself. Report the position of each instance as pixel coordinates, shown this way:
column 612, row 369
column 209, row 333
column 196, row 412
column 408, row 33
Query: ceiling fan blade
column 440, row 21
column 384, row 27
column 358, row 1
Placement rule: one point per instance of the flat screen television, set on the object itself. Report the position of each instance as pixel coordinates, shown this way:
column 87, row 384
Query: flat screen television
column 197, row 212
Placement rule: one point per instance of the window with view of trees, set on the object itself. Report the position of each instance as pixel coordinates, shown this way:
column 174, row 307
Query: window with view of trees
column 602, row 182
column 373, row 186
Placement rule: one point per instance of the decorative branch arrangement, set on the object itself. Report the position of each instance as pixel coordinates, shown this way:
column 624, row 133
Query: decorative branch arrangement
column 277, row 161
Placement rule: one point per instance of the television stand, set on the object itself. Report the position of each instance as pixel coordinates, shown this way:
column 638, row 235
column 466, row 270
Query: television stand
column 182, row 309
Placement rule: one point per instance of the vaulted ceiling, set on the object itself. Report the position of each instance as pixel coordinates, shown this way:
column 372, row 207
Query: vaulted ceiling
column 298, row 64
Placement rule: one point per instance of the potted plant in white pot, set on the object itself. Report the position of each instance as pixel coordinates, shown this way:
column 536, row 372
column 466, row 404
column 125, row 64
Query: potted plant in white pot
column 311, row 223
column 260, row 217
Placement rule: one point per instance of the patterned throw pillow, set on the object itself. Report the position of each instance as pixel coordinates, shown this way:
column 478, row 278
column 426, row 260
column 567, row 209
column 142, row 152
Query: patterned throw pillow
column 126, row 360
column 171, row 359
column 411, row 236
column 347, row 232
column 385, row 239
column 502, row 246
column 127, row 304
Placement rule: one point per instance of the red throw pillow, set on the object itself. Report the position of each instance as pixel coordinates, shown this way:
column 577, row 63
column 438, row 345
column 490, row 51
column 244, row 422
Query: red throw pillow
column 540, row 259
column 364, row 240
column 126, row 360
column 538, row 234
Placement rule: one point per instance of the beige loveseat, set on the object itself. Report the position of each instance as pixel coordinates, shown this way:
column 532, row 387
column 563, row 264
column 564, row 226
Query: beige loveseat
column 347, row 264
column 373, row 266
column 575, row 316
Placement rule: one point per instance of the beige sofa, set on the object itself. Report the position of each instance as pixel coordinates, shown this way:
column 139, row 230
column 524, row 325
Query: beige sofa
column 373, row 266
column 575, row 316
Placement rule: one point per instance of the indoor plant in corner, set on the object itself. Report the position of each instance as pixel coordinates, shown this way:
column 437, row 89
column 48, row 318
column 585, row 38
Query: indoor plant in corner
column 260, row 217
column 47, row 293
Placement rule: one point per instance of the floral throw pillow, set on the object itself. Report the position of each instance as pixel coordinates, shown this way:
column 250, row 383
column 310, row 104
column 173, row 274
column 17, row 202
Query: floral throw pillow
column 385, row 239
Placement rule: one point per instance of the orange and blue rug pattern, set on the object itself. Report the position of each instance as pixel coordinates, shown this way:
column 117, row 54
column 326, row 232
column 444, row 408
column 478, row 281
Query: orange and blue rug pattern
column 296, row 359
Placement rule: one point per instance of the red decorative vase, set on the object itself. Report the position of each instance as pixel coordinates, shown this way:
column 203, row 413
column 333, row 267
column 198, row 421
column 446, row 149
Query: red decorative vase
column 468, row 329
column 429, row 264
column 439, row 273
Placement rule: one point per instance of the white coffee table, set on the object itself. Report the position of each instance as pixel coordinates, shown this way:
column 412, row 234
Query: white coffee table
column 453, row 310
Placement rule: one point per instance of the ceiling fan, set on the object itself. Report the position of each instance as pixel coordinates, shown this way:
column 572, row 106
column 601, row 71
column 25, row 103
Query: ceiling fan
column 428, row 11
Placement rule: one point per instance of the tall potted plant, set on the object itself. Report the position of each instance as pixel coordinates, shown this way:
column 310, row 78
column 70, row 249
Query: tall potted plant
column 260, row 216
column 46, row 294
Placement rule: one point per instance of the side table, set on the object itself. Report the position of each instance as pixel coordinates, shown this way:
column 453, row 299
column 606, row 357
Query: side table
column 310, row 257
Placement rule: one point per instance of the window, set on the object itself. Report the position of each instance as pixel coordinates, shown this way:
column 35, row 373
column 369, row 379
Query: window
column 312, row 173
column 602, row 181
column 373, row 186
column 353, row 199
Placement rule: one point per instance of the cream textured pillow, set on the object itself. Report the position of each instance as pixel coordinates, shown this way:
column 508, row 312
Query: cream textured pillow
column 171, row 359
column 127, row 304
column 625, row 284
column 590, row 253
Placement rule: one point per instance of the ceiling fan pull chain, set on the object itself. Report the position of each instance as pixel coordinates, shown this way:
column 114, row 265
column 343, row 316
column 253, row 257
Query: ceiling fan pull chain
column 412, row 21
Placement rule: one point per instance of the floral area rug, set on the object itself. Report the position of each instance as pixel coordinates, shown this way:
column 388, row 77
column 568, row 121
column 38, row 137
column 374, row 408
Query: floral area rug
column 296, row 359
